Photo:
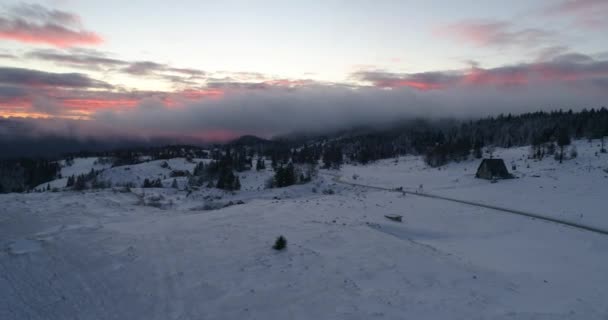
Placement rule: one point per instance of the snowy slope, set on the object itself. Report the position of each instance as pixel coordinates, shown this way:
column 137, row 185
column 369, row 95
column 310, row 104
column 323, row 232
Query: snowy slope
column 100, row 255
column 162, row 254
column 137, row 173
column 574, row 190
column 79, row 166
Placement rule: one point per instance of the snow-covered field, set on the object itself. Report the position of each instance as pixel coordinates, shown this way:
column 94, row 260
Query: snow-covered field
column 77, row 167
column 575, row 190
column 119, row 255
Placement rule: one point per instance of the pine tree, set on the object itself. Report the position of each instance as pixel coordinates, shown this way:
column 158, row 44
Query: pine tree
column 80, row 182
column 174, row 184
column 477, row 153
column 602, row 135
column 290, row 175
column 157, row 183
column 221, row 183
column 70, row 182
column 237, row 184
column 260, row 165
column 563, row 139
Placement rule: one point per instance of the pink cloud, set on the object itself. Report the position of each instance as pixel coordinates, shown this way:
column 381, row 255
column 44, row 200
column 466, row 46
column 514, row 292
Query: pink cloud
column 492, row 33
column 478, row 76
column 563, row 68
column 38, row 25
column 94, row 104
column 197, row 94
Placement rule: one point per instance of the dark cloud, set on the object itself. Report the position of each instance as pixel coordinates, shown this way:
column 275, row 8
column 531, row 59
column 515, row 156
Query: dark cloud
column 241, row 76
column 232, row 84
column 187, row 71
column 177, row 76
column 11, row 94
column 142, row 68
column 37, row 24
column 40, row 13
column 576, row 58
column 78, row 60
column 99, row 61
column 35, row 78
column 228, row 84
column 421, row 81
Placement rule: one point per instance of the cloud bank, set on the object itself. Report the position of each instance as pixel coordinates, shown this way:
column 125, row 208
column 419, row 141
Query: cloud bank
column 30, row 23
column 224, row 110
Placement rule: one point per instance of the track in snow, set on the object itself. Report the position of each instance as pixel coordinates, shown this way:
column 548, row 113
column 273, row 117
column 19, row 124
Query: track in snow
column 478, row 204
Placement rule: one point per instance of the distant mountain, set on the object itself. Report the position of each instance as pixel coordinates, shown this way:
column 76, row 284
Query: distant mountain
column 250, row 140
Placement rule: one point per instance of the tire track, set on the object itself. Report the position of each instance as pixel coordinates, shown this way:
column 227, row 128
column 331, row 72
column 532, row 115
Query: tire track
column 545, row 218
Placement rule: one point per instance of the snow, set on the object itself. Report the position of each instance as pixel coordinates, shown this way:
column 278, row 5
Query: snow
column 108, row 254
column 82, row 166
column 151, row 170
column 22, row 246
column 574, row 190
column 79, row 166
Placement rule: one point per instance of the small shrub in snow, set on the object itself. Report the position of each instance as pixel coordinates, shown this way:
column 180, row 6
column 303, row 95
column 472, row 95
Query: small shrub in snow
column 98, row 184
column 280, row 243
column 179, row 173
column 152, row 183
column 124, row 189
column 328, row 191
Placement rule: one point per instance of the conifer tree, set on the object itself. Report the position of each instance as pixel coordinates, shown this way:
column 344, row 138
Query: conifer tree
column 563, row 139
column 237, row 184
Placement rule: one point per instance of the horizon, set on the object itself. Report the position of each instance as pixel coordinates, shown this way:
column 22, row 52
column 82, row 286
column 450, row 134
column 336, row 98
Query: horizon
column 26, row 141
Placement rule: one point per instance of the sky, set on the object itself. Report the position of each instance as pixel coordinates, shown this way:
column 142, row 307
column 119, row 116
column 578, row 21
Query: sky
column 214, row 70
